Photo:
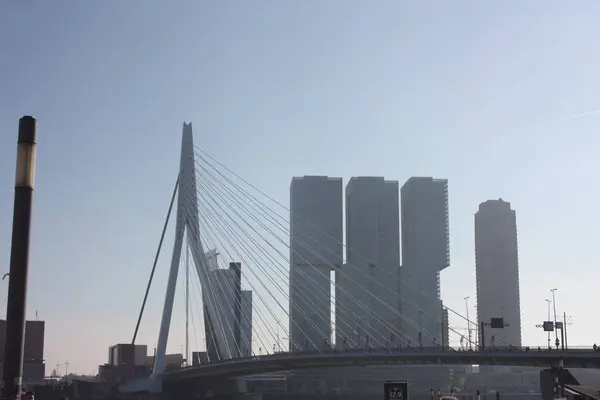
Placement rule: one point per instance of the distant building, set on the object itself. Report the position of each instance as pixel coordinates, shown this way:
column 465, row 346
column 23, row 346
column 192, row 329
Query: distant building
column 246, row 324
column 445, row 327
column 316, row 243
column 221, row 333
column 127, row 353
column 425, row 252
column 497, row 271
column 126, row 361
column 34, row 368
column 367, row 301
column 230, row 334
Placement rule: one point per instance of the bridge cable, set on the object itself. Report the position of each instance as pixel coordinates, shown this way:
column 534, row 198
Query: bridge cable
column 204, row 226
column 234, row 198
column 300, row 270
column 207, row 277
column 377, row 316
column 211, row 288
column 242, row 244
column 162, row 237
column 246, row 250
column 204, row 154
column 260, row 315
column 212, row 222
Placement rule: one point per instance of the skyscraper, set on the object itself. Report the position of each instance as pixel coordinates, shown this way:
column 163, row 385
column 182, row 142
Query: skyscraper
column 497, row 271
column 316, row 244
column 367, row 286
column 425, row 252
column 246, row 324
column 445, row 327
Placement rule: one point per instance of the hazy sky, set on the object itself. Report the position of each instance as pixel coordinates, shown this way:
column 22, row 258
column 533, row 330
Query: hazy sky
column 477, row 92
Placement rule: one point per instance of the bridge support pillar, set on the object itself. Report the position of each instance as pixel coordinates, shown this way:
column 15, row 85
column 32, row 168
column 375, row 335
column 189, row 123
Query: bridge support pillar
column 548, row 381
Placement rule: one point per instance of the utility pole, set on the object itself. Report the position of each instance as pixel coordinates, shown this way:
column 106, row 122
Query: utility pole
column 565, row 328
column 66, row 368
column 12, row 375
column 549, row 343
column 567, row 320
column 554, row 305
column 468, row 323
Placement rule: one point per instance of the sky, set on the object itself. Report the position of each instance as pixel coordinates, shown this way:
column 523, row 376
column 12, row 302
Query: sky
column 486, row 94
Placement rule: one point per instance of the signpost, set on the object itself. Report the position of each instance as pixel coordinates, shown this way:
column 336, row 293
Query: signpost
column 395, row 390
column 495, row 323
column 551, row 326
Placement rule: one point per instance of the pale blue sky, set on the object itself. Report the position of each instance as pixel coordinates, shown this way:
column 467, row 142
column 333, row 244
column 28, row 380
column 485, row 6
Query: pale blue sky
column 476, row 92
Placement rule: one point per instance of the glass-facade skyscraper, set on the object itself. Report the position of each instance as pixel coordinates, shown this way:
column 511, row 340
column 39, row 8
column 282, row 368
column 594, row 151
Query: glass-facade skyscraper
column 497, row 271
column 316, row 243
column 425, row 252
column 367, row 285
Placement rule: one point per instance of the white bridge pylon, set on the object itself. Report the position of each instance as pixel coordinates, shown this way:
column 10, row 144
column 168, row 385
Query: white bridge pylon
column 188, row 225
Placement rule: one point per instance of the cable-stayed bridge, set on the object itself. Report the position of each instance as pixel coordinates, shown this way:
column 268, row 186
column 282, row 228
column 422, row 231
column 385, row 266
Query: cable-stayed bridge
column 233, row 242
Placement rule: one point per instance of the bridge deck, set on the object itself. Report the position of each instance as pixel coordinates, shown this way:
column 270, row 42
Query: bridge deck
column 294, row 361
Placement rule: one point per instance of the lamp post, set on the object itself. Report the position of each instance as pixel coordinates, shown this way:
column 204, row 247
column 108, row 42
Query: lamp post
column 19, row 259
column 554, row 305
column 468, row 322
column 549, row 301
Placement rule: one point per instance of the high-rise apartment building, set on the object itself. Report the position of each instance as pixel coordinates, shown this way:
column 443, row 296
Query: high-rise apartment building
column 497, row 271
column 445, row 327
column 316, row 242
column 425, row 252
column 230, row 334
column 34, row 367
column 367, row 285
column 246, row 324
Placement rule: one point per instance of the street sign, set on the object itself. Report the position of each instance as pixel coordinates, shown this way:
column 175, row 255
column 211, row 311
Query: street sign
column 497, row 323
column 395, row 390
column 548, row 326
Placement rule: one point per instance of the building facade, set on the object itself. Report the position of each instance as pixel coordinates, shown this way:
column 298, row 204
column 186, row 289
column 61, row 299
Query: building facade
column 425, row 252
column 367, row 302
column 34, row 367
column 445, row 327
column 316, row 242
column 246, row 324
column 230, row 334
column 497, row 272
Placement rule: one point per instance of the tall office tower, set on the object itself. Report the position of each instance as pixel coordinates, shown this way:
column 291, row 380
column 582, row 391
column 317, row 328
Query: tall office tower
column 425, row 252
column 497, row 271
column 221, row 332
column 445, row 327
column 316, row 243
column 367, row 285
column 246, row 324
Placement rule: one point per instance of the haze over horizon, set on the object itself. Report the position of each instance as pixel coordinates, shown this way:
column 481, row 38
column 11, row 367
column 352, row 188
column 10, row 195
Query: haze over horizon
column 499, row 98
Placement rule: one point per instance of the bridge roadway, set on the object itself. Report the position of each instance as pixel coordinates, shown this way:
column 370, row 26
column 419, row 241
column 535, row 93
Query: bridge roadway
column 238, row 367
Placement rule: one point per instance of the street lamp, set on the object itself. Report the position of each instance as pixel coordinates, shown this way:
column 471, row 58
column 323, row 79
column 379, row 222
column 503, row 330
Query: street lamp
column 554, row 305
column 468, row 322
column 549, row 301
column 12, row 375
